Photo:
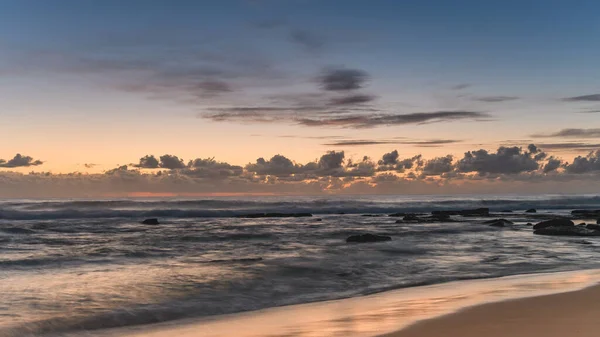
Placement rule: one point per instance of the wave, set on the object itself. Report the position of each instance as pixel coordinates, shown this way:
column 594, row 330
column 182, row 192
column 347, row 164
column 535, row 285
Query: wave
column 210, row 208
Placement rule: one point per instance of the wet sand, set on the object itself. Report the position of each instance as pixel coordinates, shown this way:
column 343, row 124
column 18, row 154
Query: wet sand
column 419, row 311
column 573, row 314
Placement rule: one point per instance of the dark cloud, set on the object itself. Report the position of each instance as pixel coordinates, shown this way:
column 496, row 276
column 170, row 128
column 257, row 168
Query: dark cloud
column 214, row 87
column 391, row 162
column 390, row 158
column 369, row 121
column 278, row 165
column 342, row 79
column 460, row 86
column 331, row 160
column 20, row 161
column 495, row 99
column 506, row 160
column 552, row 164
column 352, row 99
column 438, row 166
column 89, row 165
column 588, row 111
column 171, row 162
column 584, row 98
column 572, row 133
column 310, row 41
column 418, row 143
column 148, row 162
column 570, row 146
column 590, row 163
column 210, row 168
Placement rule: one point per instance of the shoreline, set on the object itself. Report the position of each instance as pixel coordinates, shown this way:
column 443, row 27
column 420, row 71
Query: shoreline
column 395, row 313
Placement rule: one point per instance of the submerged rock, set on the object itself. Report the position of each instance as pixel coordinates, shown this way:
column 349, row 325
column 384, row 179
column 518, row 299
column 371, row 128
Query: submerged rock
column 274, row 215
column 498, row 222
column 558, row 222
column 531, row 210
column 397, row 214
column 595, row 227
column 464, row 212
column 363, row 238
column 586, row 213
column 152, row 221
column 566, row 231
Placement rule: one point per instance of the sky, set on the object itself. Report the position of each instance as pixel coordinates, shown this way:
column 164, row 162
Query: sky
column 298, row 96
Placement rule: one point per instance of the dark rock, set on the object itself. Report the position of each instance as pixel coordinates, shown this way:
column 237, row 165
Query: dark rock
column 529, row 224
column 16, row 230
column 319, row 219
column 372, row 215
column 465, row 212
column 558, row 222
column 581, row 224
column 566, row 231
column 397, row 214
column 274, row 215
column 595, row 227
column 498, row 222
column 598, row 221
column 152, row 221
column 410, row 217
column 585, row 213
column 363, row 238
column 531, row 210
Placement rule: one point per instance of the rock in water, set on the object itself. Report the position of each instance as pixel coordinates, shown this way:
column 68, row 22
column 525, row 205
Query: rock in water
column 498, row 222
column 593, row 227
column 531, row 210
column 362, row 238
column 558, row 222
column 152, row 221
column 566, row 231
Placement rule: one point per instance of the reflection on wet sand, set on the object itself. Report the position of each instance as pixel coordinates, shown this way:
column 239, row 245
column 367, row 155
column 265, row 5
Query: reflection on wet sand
column 369, row 315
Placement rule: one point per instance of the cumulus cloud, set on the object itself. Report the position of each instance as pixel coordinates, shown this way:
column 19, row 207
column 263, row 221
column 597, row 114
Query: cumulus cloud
column 506, row 160
column 149, row 162
column 278, row 165
column 20, row 161
column 210, row 168
column 332, row 160
column 584, row 98
column 342, row 79
column 171, row 162
column 438, row 166
column 552, row 164
column 391, row 162
column 572, row 133
column 589, row 163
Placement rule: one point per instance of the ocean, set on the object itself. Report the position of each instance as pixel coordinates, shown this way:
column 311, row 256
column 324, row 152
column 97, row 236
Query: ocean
column 86, row 265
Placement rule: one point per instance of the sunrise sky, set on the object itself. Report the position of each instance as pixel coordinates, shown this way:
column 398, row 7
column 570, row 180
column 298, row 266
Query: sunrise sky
column 89, row 86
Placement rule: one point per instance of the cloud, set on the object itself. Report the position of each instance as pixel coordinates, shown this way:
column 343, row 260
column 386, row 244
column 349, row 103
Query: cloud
column 495, row 99
column 586, row 164
column 148, row 162
column 278, row 165
column 418, row 143
column 342, row 79
column 552, row 165
column 89, row 165
column 308, row 40
column 171, row 162
column 584, row 98
column 214, row 87
column 332, row 160
column 210, row 168
column 391, row 162
column 352, row 99
column 374, row 120
column 390, row 158
column 506, row 160
column 572, row 133
column 438, row 166
column 20, row 161
column 460, row 86
column 569, row 146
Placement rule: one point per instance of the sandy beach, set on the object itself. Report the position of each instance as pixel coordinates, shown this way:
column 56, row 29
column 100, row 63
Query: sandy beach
column 512, row 310
column 573, row 314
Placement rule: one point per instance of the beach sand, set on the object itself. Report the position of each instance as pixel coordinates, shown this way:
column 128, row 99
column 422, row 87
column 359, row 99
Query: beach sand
column 572, row 314
column 512, row 311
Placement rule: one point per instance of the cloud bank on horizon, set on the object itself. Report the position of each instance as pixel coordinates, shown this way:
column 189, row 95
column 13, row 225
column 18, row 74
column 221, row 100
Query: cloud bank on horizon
column 508, row 169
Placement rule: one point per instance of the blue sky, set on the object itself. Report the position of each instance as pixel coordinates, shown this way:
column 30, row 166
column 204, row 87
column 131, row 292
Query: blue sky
column 106, row 82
